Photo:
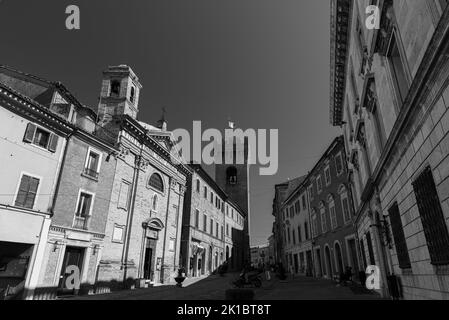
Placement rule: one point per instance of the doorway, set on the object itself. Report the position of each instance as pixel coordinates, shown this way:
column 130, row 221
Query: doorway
column 148, row 264
column 338, row 257
column 329, row 271
column 296, row 263
column 73, row 256
column 319, row 265
column 353, row 253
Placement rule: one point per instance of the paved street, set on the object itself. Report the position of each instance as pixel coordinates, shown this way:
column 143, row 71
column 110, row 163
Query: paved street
column 214, row 288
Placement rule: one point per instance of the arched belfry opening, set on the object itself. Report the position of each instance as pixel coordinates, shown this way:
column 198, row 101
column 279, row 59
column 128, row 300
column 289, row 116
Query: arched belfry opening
column 231, row 175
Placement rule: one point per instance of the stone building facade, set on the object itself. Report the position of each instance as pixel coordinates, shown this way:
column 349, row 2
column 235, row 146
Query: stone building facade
column 143, row 228
column 296, row 230
column 389, row 93
column 331, row 214
column 212, row 227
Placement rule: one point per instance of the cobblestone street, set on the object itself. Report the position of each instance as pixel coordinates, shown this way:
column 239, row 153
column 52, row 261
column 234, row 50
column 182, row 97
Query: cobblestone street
column 214, row 288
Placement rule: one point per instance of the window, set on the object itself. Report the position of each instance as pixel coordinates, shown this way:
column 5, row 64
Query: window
column 227, row 229
column 319, row 184
column 117, row 234
column 204, row 222
column 398, row 73
column 333, row 215
column 339, row 163
column 227, row 211
column 198, row 185
column 310, row 191
column 154, row 203
column 123, row 195
column 216, row 229
column 231, row 175
column 294, row 236
column 297, row 207
column 292, row 212
column 314, row 225
column 175, row 221
column 432, row 217
column 306, row 229
column 345, row 203
column 299, row 234
column 197, row 219
column 205, row 192
column 83, row 210
column 211, row 226
column 115, row 88
column 92, row 166
column 327, row 175
column 222, row 232
column 304, row 203
column 156, row 182
column 289, row 235
column 323, row 218
column 132, row 94
column 40, row 137
column 27, row 193
column 370, row 248
column 399, row 237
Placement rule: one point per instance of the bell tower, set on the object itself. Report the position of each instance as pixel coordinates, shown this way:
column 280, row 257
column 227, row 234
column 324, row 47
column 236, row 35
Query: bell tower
column 119, row 95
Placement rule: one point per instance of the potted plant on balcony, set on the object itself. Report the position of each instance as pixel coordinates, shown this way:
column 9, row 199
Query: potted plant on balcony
column 181, row 277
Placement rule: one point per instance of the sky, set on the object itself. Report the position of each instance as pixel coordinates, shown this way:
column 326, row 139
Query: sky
column 262, row 63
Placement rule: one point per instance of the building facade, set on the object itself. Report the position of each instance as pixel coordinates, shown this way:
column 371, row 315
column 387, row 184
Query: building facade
column 143, row 228
column 389, row 94
column 331, row 214
column 32, row 143
column 296, row 231
column 212, row 229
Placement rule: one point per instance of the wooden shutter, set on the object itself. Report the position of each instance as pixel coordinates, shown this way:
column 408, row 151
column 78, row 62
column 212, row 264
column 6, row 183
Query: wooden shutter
column 32, row 192
column 53, row 144
column 23, row 190
column 29, row 133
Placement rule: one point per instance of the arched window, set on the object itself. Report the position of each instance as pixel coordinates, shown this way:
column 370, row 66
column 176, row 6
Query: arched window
column 231, row 175
column 154, row 202
column 115, row 88
column 156, row 182
column 323, row 217
column 132, row 94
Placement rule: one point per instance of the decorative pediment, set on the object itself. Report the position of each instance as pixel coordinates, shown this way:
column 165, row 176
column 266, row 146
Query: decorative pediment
column 153, row 223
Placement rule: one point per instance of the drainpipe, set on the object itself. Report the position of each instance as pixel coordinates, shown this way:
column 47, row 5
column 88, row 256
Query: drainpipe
column 165, row 231
column 129, row 221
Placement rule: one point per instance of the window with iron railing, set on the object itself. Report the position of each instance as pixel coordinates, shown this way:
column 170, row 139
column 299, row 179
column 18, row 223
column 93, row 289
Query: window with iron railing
column 398, row 236
column 432, row 217
column 92, row 164
column 82, row 215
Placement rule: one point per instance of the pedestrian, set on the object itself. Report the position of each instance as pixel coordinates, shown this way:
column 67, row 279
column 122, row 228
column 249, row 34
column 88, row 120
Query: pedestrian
column 267, row 272
column 291, row 271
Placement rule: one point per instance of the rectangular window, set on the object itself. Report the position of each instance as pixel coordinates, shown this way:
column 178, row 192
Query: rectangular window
column 175, row 221
column 211, row 226
column 346, row 212
column 227, row 229
column 333, row 217
column 432, row 217
column 92, row 164
column 398, row 73
column 399, row 237
column 204, row 222
column 123, row 195
column 306, row 229
column 289, row 235
column 222, row 232
column 297, row 207
column 198, row 185
column 197, row 219
column 40, row 137
column 327, row 175
column 310, row 190
column 369, row 242
column 323, row 221
column 83, row 211
column 212, row 197
column 339, row 163
column 299, row 234
column 26, row 195
column 205, row 192
column 319, row 184
column 117, row 234
column 294, row 236
column 304, row 203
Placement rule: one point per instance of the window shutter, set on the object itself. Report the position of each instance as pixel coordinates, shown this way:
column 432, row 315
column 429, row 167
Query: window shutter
column 29, row 133
column 23, row 190
column 53, row 145
column 31, row 196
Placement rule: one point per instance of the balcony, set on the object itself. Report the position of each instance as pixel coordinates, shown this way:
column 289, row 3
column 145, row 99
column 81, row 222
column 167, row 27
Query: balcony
column 81, row 223
column 90, row 173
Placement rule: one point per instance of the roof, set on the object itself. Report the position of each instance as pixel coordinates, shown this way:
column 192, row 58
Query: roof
column 340, row 27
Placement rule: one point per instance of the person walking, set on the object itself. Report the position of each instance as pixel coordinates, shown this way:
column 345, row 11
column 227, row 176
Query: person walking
column 267, row 272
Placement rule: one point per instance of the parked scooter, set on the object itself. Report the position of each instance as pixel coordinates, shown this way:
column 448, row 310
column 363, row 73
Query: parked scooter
column 253, row 279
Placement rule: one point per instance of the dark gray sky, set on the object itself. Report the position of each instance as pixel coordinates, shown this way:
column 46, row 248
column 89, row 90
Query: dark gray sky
column 264, row 63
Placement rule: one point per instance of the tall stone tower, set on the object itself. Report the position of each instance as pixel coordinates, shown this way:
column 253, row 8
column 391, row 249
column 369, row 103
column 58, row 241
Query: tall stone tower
column 233, row 177
column 119, row 95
